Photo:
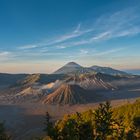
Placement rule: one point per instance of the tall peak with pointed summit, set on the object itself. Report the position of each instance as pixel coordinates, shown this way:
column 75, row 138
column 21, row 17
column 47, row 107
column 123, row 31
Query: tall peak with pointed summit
column 68, row 68
column 74, row 68
column 73, row 64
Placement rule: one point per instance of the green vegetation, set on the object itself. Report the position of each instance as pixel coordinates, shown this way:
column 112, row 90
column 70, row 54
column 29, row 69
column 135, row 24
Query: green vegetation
column 127, row 113
column 104, row 123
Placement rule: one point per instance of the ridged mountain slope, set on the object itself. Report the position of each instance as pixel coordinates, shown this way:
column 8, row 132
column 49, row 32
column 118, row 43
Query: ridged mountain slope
column 67, row 94
column 93, row 81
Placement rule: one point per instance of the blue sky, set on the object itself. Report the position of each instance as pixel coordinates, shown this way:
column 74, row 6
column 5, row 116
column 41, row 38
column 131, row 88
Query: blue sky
column 42, row 35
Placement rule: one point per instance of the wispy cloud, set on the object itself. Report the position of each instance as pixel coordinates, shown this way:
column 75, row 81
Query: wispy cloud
column 77, row 28
column 121, row 24
column 60, row 39
column 5, row 55
column 28, row 46
column 100, row 36
column 66, row 37
column 108, row 52
column 61, row 46
column 118, row 25
column 84, row 52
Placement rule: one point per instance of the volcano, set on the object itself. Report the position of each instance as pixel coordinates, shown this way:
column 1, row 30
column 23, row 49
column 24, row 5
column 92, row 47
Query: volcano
column 68, row 94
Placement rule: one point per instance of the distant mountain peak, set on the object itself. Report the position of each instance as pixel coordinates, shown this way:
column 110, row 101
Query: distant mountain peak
column 108, row 70
column 72, row 64
column 68, row 68
column 74, row 68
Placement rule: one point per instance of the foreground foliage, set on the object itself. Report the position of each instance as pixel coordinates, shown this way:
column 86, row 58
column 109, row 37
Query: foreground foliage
column 104, row 123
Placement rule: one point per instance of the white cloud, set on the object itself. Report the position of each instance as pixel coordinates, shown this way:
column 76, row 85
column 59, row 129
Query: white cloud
column 5, row 55
column 108, row 52
column 60, row 39
column 120, row 24
column 77, row 28
column 61, row 47
column 101, row 36
column 83, row 52
column 28, row 46
column 72, row 35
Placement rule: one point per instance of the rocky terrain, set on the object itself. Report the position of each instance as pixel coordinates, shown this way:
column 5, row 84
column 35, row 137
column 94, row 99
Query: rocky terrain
column 70, row 94
column 71, row 84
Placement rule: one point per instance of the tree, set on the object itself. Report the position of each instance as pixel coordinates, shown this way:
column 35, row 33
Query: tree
column 119, row 130
column 136, row 124
column 101, row 124
column 84, row 128
column 134, row 132
column 69, row 130
column 103, row 121
column 51, row 132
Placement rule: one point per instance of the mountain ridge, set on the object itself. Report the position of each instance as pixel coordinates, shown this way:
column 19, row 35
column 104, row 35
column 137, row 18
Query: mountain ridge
column 74, row 68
